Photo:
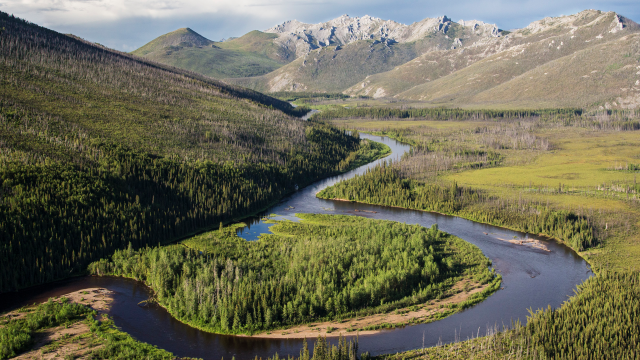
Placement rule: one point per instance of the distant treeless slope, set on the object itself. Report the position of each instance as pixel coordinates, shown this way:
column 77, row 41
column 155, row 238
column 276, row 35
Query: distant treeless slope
column 584, row 79
column 250, row 55
column 337, row 67
column 511, row 70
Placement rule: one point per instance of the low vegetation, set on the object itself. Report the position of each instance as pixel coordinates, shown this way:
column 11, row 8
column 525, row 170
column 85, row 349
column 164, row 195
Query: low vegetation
column 16, row 334
column 384, row 186
column 325, row 267
column 100, row 340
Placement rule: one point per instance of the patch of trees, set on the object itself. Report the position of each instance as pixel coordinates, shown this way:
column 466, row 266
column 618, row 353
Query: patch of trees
column 384, row 185
column 16, row 335
column 308, row 96
column 601, row 321
column 345, row 350
column 442, row 114
column 325, row 267
column 617, row 120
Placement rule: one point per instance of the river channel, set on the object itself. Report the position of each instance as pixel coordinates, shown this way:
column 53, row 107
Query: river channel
column 532, row 279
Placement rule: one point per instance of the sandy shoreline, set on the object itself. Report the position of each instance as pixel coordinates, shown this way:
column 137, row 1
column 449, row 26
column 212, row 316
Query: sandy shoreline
column 399, row 318
column 73, row 340
column 100, row 299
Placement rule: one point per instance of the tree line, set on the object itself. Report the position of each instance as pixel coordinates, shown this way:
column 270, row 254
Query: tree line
column 442, row 114
column 384, row 185
column 601, row 321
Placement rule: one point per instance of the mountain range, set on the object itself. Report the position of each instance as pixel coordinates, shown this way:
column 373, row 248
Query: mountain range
column 437, row 61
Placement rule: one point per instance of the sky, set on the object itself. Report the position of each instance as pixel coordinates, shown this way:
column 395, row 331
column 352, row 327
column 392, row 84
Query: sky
column 128, row 24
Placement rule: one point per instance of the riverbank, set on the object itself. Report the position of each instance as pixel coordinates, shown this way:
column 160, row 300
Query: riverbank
column 463, row 294
column 536, row 244
column 293, row 258
column 75, row 325
column 579, row 176
column 74, row 337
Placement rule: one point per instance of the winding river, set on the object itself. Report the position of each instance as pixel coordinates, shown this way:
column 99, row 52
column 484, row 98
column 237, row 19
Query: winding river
column 532, row 279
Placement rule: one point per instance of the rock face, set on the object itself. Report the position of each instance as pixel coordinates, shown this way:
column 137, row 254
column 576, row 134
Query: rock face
column 578, row 60
column 302, row 38
column 569, row 61
column 481, row 28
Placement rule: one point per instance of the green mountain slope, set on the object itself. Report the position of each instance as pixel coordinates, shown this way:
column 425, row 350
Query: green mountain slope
column 250, row 55
column 100, row 150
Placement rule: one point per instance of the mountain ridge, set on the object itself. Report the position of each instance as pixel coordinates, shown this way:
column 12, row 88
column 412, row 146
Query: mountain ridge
column 335, row 55
column 250, row 55
column 439, row 61
column 302, row 37
column 458, row 77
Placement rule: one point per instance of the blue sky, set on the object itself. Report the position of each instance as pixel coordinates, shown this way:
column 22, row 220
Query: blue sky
column 128, row 24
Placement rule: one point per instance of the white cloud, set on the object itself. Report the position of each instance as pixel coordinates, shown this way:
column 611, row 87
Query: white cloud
column 90, row 11
column 128, row 24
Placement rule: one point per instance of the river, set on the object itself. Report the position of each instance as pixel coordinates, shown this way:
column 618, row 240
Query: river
column 531, row 279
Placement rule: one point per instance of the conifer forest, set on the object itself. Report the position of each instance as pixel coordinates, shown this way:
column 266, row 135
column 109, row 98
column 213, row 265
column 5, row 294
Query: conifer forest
column 325, row 267
column 100, row 149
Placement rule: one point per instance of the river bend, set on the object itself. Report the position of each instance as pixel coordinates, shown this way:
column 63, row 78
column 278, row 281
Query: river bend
column 532, row 279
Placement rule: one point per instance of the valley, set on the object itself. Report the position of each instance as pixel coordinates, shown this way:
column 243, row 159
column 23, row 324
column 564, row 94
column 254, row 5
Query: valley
column 356, row 188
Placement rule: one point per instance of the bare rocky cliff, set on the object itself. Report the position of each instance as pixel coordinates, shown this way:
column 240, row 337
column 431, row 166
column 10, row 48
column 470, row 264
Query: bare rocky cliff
column 302, row 38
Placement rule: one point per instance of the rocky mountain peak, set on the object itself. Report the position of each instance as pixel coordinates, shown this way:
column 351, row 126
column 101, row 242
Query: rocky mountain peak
column 301, row 37
column 481, row 28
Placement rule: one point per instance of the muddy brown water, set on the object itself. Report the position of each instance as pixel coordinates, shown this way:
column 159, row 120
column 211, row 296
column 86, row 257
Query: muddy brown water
column 532, row 279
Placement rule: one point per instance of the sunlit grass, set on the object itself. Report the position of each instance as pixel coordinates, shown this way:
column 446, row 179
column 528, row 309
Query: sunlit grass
column 580, row 160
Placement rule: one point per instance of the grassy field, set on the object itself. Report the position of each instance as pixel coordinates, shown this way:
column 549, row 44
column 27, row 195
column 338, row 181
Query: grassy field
column 583, row 163
column 580, row 159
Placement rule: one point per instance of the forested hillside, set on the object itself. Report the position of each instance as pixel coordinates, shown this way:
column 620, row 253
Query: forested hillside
column 99, row 149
